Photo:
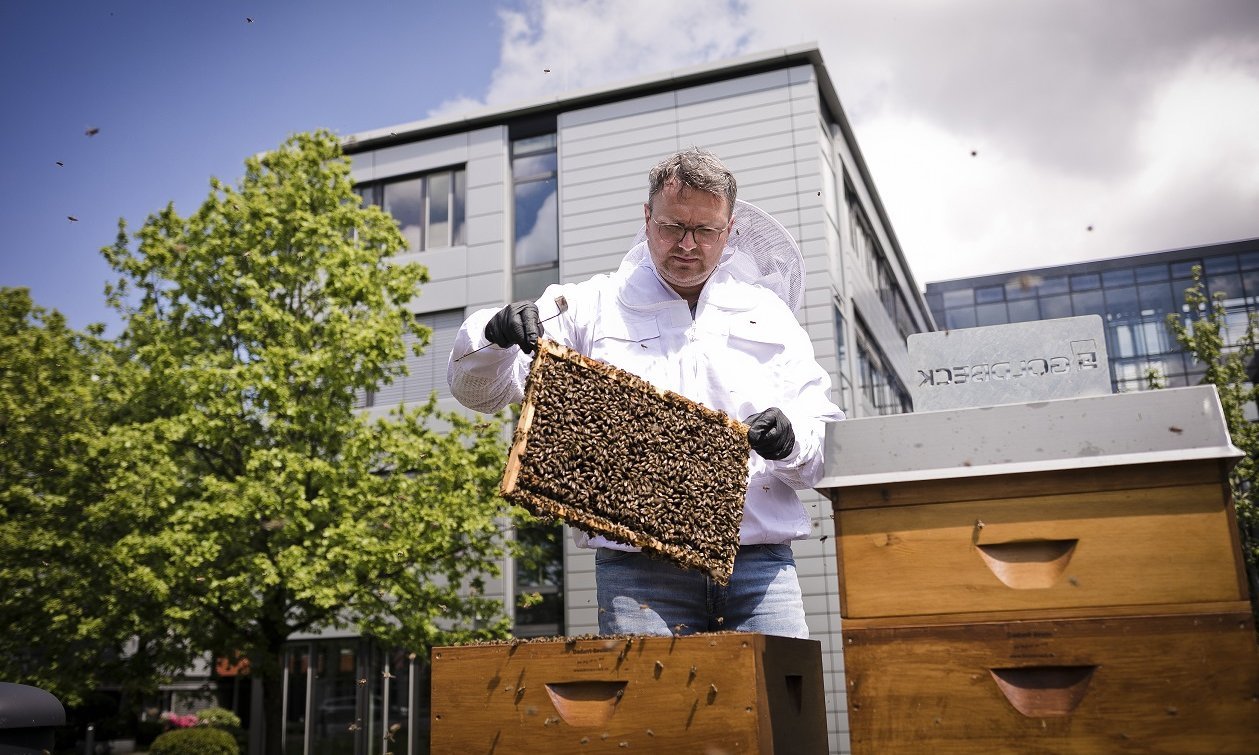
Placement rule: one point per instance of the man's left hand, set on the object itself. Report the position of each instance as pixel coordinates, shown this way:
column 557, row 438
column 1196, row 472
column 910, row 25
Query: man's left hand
column 770, row 434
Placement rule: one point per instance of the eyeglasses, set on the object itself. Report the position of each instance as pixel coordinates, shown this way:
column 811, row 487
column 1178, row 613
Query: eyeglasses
column 673, row 233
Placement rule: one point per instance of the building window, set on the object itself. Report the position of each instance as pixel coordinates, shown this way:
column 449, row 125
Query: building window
column 875, row 378
column 877, row 267
column 539, row 589
column 426, row 372
column 429, row 208
column 841, row 354
column 535, row 184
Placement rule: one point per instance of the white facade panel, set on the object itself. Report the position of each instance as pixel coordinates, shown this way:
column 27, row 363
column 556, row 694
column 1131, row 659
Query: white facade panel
column 576, row 208
column 443, row 264
column 618, row 147
column 623, row 110
column 486, row 200
column 486, row 290
column 584, row 185
column 487, row 229
column 436, row 296
column 487, row 171
column 732, row 88
column 487, row 142
column 586, row 140
column 417, row 157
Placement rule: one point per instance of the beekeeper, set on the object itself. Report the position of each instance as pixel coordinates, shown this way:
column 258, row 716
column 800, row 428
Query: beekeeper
column 703, row 304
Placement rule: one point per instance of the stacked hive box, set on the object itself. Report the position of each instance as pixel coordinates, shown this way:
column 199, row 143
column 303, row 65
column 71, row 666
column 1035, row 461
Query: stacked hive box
column 1062, row 576
column 720, row 693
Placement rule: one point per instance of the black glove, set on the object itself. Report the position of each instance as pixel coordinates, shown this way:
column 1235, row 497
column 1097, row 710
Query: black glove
column 517, row 324
column 770, row 434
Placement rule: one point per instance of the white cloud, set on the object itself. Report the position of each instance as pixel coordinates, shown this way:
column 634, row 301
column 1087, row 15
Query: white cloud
column 554, row 46
column 1133, row 116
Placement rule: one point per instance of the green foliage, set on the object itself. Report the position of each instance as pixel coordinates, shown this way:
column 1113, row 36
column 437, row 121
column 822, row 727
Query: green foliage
column 204, row 483
column 199, row 740
column 1206, row 337
column 74, row 609
column 219, row 717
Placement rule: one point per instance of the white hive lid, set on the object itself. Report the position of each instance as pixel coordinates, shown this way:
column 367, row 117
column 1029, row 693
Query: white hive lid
column 1179, row 424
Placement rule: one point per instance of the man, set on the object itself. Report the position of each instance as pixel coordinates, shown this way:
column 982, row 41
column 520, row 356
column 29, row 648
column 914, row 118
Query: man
column 702, row 305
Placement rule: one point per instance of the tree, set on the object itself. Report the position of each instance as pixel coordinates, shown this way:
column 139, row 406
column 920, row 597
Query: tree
column 1226, row 355
column 265, row 504
column 75, row 616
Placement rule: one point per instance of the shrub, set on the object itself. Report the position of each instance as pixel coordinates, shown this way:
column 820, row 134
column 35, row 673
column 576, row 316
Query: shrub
column 199, row 740
column 220, row 718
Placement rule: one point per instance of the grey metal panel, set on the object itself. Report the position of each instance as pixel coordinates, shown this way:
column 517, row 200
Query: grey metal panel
column 1077, row 433
column 617, row 110
column 438, row 295
column 362, row 167
column 625, row 151
column 487, row 171
column 596, row 185
column 731, row 150
column 616, row 246
column 733, row 87
column 576, row 209
column 485, row 142
column 764, row 111
column 421, row 156
column 659, row 129
column 576, row 271
column 486, row 290
column 1006, row 364
column 623, row 229
column 483, row 200
column 612, row 213
column 487, row 228
column 443, row 264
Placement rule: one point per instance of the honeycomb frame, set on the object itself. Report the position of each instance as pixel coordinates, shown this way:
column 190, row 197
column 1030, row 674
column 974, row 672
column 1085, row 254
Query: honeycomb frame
column 608, row 452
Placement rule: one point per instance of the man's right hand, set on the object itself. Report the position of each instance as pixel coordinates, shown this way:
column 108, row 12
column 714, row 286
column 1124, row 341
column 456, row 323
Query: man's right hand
column 517, row 324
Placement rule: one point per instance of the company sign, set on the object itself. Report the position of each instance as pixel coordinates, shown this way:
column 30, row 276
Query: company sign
column 1009, row 364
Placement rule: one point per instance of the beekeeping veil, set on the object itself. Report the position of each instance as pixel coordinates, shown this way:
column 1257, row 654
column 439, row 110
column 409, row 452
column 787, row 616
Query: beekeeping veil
column 759, row 250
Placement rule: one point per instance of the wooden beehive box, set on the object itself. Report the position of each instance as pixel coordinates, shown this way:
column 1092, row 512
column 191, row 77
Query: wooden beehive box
column 608, row 452
column 727, row 692
column 1075, row 505
column 1060, row 576
column 1152, row 684
column 1137, row 535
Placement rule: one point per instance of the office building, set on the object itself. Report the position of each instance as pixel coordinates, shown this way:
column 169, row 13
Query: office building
column 501, row 202
column 1133, row 295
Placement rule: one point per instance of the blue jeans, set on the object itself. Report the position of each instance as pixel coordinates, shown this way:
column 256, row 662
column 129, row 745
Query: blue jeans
column 639, row 594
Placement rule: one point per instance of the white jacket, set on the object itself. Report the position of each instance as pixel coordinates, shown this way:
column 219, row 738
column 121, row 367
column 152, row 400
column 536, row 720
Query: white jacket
column 741, row 353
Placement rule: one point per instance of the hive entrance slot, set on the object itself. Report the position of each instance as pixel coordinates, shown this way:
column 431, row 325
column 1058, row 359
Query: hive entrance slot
column 795, row 692
column 585, row 703
column 1044, row 691
column 1028, row 564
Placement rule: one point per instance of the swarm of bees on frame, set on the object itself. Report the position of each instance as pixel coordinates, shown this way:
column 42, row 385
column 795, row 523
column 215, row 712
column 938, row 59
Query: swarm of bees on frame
column 606, row 451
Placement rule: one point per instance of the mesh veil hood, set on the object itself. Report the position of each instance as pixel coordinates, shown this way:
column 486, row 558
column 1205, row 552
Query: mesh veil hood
column 759, row 250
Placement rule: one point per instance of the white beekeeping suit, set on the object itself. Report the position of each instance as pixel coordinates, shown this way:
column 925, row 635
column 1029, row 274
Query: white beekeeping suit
column 741, row 351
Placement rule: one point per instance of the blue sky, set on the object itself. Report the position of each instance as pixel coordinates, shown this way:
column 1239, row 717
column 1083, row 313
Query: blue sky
column 181, row 91
column 1132, row 117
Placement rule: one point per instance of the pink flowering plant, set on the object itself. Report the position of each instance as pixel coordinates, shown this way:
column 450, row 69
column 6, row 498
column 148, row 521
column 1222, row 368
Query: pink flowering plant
column 176, row 721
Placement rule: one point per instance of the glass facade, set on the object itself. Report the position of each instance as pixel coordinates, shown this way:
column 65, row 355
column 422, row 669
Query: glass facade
column 349, row 696
column 1133, row 295
column 539, row 589
column 535, row 192
column 429, row 208
column 876, row 380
